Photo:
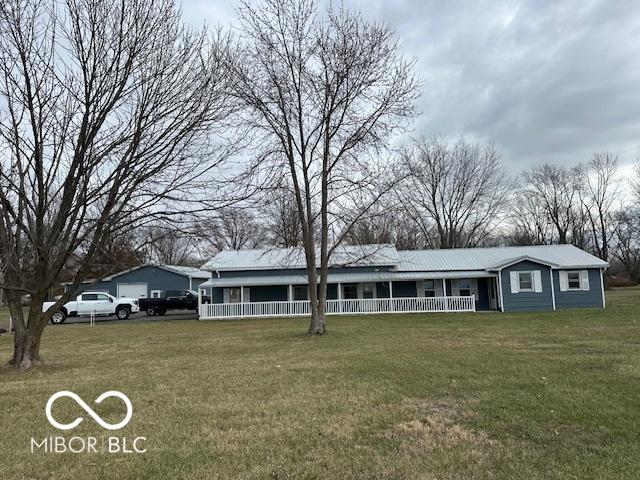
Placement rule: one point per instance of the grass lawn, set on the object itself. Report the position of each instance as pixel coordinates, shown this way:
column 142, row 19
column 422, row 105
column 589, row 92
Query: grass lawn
column 457, row 396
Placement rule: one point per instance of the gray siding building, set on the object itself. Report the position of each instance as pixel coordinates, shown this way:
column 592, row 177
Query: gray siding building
column 147, row 281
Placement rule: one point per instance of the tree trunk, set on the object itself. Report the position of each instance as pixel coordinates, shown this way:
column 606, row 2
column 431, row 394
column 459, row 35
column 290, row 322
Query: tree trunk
column 26, row 350
column 318, row 324
column 26, row 339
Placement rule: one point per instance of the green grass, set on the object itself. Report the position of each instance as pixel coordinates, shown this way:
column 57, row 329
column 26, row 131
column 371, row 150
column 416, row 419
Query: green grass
column 4, row 317
column 484, row 396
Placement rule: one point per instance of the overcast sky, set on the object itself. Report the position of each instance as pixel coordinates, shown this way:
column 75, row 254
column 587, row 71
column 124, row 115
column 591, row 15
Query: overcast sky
column 547, row 81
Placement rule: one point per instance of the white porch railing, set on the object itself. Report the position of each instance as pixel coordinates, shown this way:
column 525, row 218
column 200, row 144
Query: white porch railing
column 339, row 307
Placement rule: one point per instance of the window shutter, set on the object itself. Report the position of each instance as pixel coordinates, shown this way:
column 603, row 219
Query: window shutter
column 537, row 281
column 584, row 274
column 474, row 288
column 225, row 294
column 455, row 289
column 420, row 288
column 564, row 282
column 515, row 282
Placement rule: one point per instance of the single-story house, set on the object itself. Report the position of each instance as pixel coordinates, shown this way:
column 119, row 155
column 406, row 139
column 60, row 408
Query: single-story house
column 379, row 278
column 146, row 281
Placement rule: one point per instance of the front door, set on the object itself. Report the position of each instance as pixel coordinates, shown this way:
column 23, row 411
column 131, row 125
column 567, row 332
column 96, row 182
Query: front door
column 493, row 294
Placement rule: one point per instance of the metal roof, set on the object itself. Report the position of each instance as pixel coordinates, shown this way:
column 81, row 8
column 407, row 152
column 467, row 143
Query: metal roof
column 190, row 272
column 492, row 258
column 446, row 260
column 292, row 258
column 301, row 279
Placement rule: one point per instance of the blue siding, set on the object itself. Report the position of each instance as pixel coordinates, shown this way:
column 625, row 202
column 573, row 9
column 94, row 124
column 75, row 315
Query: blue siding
column 217, row 295
column 299, row 271
column 527, row 301
column 591, row 298
column 272, row 293
column 155, row 278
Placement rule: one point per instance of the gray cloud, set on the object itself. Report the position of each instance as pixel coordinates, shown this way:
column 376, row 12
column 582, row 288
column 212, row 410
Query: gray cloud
column 547, row 81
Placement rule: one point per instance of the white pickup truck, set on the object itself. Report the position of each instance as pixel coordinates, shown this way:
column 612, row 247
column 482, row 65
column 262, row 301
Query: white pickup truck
column 96, row 303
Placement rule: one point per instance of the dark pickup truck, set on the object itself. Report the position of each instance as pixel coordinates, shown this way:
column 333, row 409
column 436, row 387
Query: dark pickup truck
column 172, row 300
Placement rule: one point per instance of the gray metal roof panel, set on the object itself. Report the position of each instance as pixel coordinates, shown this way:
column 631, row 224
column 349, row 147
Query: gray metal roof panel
column 291, row 258
column 564, row 256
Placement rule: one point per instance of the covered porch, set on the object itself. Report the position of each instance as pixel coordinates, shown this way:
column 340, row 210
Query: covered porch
column 366, row 293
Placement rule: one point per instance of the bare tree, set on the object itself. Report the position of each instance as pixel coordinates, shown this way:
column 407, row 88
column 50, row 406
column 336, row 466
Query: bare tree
column 233, row 228
column 387, row 223
column 324, row 92
column 635, row 183
column 599, row 191
column 107, row 114
column 530, row 224
column 626, row 245
column 456, row 194
column 556, row 189
column 282, row 220
column 168, row 245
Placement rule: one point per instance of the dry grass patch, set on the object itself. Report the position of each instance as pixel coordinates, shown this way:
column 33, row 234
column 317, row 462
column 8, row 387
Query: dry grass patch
column 440, row 428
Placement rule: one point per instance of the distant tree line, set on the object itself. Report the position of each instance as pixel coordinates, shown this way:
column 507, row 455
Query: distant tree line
column 452, row 195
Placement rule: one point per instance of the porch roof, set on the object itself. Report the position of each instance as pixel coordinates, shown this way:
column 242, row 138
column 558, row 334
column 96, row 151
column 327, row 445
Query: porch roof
column 265, row 280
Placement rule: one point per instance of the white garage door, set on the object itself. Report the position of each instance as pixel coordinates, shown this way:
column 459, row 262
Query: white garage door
column 132, row 290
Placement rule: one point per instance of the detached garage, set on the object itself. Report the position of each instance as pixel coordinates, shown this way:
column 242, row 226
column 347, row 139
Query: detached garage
column 147, row 281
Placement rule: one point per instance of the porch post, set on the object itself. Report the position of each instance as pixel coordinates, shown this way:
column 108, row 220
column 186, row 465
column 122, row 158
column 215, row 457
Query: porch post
column 444, row 291
column 242, row 301
column 199, row 301
column 391, row 306
column 339, row 297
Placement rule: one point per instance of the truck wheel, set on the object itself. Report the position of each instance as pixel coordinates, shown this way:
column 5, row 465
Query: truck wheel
column 58, row 317
column 151, row 311
column 161, row 312
column 122, row 313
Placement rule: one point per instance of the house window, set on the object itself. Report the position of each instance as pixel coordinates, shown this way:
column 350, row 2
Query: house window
column 573, row 281
column 350, row 291
column 525, row 281
column 156, row 293
column 203, row 291
column 464, row 287
column 232, row 295
column 300, row 292
column 429, row 288
column 368, row 290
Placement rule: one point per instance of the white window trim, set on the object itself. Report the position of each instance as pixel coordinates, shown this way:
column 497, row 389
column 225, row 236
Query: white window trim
column 569, row 287
column 425, row 289
column 526, row 290
column 154, row 292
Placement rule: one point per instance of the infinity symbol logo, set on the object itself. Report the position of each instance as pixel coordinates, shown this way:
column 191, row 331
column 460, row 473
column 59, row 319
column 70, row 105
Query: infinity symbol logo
column 89, row 410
